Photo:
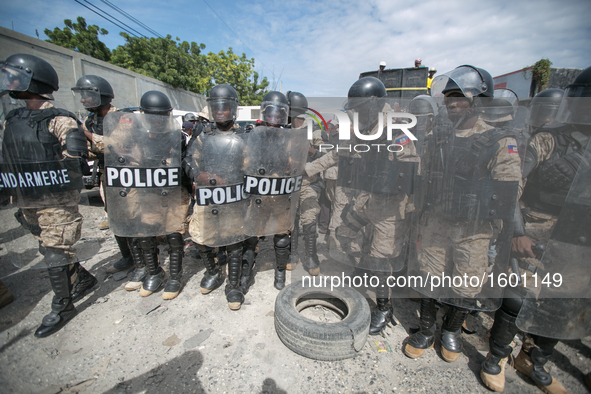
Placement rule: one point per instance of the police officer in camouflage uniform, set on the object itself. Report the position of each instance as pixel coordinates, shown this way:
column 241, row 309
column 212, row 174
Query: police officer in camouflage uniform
column 41, row 133
column 553, row 157
column 95, row 94
column 216, row 158
column 470, row 173
column 311, row 189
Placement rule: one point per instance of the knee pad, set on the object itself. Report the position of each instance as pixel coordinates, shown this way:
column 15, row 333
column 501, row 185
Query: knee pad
column 281, row 241
column 147, row 243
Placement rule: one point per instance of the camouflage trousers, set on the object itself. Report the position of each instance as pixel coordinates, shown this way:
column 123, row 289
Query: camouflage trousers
column 309, row 207
column 387, row 219
column 459, row 244
column 61, row 227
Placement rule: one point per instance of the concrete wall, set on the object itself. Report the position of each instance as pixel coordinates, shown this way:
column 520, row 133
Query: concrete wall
column 71, row 65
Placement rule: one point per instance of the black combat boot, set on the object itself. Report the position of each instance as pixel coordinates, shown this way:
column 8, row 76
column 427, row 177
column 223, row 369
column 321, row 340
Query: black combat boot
column 311, row 263
column 156, row 274
column 281, row 244
column 425, row 337
column 141, row 271
column 248, row 256
column 175, row 267
column 234, row 294
column 382, row 315
column 502, row 333
column 294, row 257
column 126, row 261
column 85, row 281
column 213, row 276
column 451, row 333
column 62, row 308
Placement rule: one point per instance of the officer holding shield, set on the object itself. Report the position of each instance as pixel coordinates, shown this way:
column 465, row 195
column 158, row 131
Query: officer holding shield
column 555, row 207
column 42, row 139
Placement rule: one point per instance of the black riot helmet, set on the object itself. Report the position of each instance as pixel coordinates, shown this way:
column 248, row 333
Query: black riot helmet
column 28, row 73
column 471, row 81
column 544, row 108
column 575, row 108
column 274, row 109
column 155, row 102
column 190, row 117
column 94, row 91
column 423, row 105
column 363, row 101
column 298, row 103
column 223, row 105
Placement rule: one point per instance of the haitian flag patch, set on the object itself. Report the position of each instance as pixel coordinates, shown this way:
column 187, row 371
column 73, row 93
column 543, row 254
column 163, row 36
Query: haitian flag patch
column 512, row 148
column 402, row 140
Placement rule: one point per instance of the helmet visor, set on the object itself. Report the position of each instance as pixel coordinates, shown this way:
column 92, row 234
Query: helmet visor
column 543, row 114
column 222, row 110
column 88, row 97
column 14, row 79
column 465, row 79
column 274, row 113
column 575, row 107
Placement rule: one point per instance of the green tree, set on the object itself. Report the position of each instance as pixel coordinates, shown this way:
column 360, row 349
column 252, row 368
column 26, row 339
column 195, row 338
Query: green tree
column 226, row 67
column 80, row 37
column 179, row 64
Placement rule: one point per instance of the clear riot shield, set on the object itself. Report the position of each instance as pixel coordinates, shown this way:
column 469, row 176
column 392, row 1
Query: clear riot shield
column 558, row 303
column 220, row 202
column 379, row 173
column 465, row 199
column 143, row 174
column 273, row 178
column 42, row 208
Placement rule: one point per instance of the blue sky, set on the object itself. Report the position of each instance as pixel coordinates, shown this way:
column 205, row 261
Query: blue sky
column 319, row 48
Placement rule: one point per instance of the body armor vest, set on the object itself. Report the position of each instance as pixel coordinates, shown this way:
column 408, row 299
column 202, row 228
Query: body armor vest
column 459, row 184
column 222, row 154
column 548, row 186
column 27, row 138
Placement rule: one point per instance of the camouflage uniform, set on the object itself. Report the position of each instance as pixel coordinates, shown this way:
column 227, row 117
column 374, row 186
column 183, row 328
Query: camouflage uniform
column 446, row 240
column 57, row 213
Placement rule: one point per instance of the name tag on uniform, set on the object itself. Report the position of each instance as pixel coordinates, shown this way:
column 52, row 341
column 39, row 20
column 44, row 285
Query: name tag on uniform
column 263, row 186
column 142, row 177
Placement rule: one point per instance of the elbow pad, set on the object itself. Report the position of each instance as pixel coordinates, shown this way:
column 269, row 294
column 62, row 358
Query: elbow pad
column 76, row 144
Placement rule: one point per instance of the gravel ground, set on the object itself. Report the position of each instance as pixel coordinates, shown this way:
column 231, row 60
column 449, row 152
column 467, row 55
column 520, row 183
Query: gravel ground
column 122, row 343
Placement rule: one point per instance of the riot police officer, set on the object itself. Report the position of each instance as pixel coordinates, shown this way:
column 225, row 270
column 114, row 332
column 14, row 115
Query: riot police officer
column 95, row 94
column 146, row 191
column 46, row 137
column 555, row 166
column 309, row 195
column 470, row 174
column 215, row 163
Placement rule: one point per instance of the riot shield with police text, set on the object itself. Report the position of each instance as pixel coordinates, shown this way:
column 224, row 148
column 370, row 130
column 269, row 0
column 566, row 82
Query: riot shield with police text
column 558, row 303
column 40, row 187
column 465, row 200
column 217, row 162
column 143, row 174
column 273, row 178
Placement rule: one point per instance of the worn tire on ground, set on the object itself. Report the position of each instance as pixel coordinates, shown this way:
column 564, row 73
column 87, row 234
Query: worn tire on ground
column 318, row 340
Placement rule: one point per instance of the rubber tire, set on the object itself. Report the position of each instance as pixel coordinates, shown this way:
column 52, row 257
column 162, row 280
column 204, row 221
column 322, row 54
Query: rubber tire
column 317, row 340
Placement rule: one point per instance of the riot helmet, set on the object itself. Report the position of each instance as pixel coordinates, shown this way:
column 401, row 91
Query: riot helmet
column 423, row 107
column 223, row 105
column 94, row 92
column 274, row 109
column 190, row 117
column 471, row 81
column 297, row 104
column 544, row 108
column 155, row 102
column 28, row 73
column 363, row 101
column 575, row 107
